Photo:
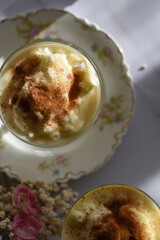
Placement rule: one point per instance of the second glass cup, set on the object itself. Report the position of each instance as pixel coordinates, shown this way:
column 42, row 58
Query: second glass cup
column 51, row 93
column 113, row 212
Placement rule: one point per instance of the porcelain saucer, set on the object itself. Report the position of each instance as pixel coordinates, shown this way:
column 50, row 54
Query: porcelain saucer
column 95, row 148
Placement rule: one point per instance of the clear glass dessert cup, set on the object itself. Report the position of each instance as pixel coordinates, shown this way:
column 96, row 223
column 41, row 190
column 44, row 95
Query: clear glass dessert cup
column 41, row 43
column 81, row 213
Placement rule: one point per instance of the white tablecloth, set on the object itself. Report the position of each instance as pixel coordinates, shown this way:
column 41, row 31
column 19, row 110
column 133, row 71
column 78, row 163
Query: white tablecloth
column 135, row 25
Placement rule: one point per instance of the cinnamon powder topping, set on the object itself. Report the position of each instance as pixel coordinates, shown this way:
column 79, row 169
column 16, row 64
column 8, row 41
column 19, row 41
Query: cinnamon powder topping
column 42, row 100
column 75, row 88
column 119, row 225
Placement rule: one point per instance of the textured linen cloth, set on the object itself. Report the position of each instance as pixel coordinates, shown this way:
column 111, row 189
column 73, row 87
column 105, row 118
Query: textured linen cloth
column 135, row 26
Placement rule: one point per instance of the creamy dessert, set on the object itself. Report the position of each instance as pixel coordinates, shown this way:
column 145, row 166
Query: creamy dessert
column 113, row 212
column 50, row 92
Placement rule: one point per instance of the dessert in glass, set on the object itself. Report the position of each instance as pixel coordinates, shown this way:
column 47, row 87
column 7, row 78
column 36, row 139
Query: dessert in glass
column 50, row 93
column 113, row 212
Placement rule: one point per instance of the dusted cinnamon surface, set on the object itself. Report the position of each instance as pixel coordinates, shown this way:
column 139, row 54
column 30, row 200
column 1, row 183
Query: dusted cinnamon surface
column 121, row 224
column 38, row 99
column 113, row 213
column 53, row 93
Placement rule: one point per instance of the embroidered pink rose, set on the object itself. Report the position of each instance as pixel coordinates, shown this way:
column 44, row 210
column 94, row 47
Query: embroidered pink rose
column 26, row 227
column 27, row 201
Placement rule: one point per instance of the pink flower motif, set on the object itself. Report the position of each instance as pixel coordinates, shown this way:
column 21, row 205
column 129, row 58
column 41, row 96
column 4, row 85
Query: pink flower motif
column 33, row 31
column 103, row 112
column 27, row 201
column 112, row 116
column 108, row 51
column 26, row 227
column 60, row 158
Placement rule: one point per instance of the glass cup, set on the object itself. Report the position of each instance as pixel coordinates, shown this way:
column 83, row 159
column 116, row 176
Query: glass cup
column 4, row 83
column 113, row 212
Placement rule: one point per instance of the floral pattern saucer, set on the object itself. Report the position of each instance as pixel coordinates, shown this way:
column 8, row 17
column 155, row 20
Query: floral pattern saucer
column 96, row 147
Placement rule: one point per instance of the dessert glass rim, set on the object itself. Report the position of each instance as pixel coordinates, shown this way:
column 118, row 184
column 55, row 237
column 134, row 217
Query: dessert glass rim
column 107, row 185
column 95, row 116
